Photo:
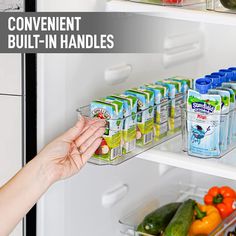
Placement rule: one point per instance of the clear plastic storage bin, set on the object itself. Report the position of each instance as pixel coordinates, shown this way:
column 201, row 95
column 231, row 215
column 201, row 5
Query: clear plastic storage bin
column 177, row 193
column 176, row 3
column 226, row 6
column 227, row 227
column 198, row 130
column 164, row 128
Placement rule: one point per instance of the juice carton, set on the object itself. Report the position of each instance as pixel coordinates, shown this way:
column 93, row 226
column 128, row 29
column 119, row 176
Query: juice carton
column 112, row 111
column 231, row 113
column 186, row 84
column 224, row 118
column 160, row 109
column 145, row 117
column 203, row 124
column 232, row 86
column 176, row 103
column 130, row 121
column 189, row 81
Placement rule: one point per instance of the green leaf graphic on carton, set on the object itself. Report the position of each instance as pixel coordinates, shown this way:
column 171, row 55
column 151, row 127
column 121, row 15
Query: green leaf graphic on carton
column 107, row 131
column 139, row 117
column 150, row 110
column 133, row 115
column 118, row 122
column 225, row 100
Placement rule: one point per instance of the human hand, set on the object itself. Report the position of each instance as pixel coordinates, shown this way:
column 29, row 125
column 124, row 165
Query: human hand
column 68, row 153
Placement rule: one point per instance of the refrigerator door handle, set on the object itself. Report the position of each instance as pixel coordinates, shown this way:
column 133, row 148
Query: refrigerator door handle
column 111, row 197
column 118, row 74
column 182, row 48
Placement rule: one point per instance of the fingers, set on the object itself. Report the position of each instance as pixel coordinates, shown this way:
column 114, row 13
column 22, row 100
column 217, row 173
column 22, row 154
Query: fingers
column 91, row 150
column 80, row 160
column 85, row 145
column 80, row 127
column 91, row 121
column 87, row 134
column 74, row 132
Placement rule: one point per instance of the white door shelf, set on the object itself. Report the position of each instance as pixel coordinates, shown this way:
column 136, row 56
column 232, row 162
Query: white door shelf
column 170, row 153
column 196, row 13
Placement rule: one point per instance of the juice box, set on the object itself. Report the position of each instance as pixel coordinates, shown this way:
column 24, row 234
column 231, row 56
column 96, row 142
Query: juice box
column 176, row 101
column 224, row 118
column 186, row 84
column 160, row 109
column 232, row 86
column 203, row 124
column 112, row 111
column 145, row 116
column 177, row 95
column 231, row 114
column 129, row 122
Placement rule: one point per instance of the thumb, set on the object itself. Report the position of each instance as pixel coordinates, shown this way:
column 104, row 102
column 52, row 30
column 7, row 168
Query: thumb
column 74, row 132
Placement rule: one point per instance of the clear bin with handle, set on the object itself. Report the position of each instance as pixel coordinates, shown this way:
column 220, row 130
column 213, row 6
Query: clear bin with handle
column 176, row 3
column 226, row 6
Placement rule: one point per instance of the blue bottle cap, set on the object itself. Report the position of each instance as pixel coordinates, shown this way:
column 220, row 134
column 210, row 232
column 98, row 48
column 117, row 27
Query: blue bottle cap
column 222, row 76
column 216, row 81
column 233, row 69
column 203, row 85
column 228, row 74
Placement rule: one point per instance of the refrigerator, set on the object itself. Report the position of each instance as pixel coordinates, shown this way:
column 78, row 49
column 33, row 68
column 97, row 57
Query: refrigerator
column 94, row 201
column 194, row 42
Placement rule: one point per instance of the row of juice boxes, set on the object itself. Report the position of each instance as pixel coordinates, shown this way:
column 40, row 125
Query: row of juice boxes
column 140, row 115
column 211, row 115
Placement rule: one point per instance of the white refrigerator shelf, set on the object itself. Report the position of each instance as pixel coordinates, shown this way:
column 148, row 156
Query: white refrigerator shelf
column 170, row 153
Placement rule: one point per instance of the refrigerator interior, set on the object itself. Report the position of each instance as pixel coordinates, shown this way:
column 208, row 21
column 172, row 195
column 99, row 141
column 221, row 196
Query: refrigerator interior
column 93, row 201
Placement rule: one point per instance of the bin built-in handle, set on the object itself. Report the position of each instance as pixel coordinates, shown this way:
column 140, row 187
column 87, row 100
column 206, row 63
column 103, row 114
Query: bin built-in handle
column 111, row 197
column 117, row 74
column 180, row 48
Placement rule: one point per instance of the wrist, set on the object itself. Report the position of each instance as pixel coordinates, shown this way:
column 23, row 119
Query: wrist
column 46, row 171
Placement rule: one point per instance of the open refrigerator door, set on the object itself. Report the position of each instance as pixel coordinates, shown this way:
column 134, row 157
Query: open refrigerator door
column 99, row 197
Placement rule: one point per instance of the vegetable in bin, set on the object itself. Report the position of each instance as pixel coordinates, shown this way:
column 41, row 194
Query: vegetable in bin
column 207, row 218
column 182, row 220
column 223, row 198
column 156, row 222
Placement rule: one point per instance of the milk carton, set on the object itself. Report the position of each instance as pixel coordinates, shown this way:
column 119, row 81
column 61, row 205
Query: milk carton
column 129, row 122
column 145, row 116
column 112, row 111
column 203, row 124
column 224, row 118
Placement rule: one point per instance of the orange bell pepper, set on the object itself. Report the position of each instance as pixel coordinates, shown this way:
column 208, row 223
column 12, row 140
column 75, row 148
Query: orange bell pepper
column 224, row 199
column 207, row 218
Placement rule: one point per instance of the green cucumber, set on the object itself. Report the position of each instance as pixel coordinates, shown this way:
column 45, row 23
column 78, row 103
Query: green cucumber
column 182, row 220
column 156, row 222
